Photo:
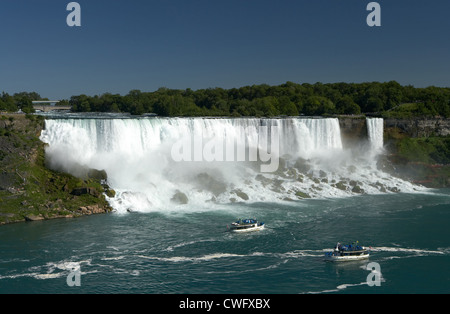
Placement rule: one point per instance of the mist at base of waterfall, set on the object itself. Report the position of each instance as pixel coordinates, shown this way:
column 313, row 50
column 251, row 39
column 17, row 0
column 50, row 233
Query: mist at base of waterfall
column 138, row 157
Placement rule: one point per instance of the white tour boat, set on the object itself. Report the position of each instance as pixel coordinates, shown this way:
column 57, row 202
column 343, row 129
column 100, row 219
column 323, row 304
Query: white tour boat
column 246, row 225
column 351, row 252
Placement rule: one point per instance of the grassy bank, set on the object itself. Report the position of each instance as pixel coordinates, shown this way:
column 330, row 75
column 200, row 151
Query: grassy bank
column 30, row 191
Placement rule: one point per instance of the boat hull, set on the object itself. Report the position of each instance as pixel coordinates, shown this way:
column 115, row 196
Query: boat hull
column 346, row 258
column 249, row 229
column 335, row 258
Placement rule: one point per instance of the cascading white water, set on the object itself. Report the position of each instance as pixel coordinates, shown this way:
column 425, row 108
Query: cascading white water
column 138, row 157
column 375, row 129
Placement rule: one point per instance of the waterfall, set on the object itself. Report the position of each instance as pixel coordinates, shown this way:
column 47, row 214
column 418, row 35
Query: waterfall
column 136, row 137
column 167, row 163
column 375, row 129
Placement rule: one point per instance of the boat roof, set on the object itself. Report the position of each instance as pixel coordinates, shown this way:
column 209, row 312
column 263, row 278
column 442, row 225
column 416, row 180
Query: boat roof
column 247, row 221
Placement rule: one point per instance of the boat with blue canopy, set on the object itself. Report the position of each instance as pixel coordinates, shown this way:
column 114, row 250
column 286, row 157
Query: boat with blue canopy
column 350, row 252
column 246, row 225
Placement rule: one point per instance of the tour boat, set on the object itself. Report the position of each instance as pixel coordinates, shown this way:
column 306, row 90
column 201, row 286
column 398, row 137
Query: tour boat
column 351, row 252
column 246, row 225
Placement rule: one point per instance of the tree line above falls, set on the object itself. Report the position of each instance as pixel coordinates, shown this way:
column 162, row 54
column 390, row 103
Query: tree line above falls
column 388, row 99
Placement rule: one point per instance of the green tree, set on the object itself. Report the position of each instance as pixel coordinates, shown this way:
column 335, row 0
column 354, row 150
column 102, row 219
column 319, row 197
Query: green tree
column 114, row 107
column 240, row 107
column 9, row 103
column 372, row 97
column 2, row 105
column 318, row 105
column 374, row 104
column 137, row 109
column 64, row 102
column 264, row 100
column 164, row 106
column 84, row 106
column 25, row 104
column 287, row 107
column 266, row 106
column 346, row 105
column 190, row 109
column 394, row 94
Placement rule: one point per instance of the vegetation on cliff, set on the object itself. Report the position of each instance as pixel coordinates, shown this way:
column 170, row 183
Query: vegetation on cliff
column 31, row 191
column 422, row 160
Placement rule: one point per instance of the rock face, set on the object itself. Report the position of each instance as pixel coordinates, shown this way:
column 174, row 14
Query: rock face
column 34, row 218
column 179, row 198
column 92, row 209
column 241, row 194
column 83, row 191
column 353, row 130
column 209, row 183
column 97, row 174
column 420, row 127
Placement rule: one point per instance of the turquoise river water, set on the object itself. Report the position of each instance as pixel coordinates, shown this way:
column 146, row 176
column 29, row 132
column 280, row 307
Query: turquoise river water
column 191, row 252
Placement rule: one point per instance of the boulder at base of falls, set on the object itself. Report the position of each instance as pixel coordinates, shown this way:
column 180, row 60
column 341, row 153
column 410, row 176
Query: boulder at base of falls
column 357, row 189
column 179, row 198
column 241, row 194
column 92, row 210
column 301, row 195
column 209, row 183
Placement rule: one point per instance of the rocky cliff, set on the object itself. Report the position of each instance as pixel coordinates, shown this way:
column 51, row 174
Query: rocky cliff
column 355, row 128
column 420, row 127
column 29, row 191
column 416, row 149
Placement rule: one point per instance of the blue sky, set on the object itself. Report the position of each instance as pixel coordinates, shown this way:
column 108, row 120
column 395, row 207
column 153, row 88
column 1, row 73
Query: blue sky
column 124, row 45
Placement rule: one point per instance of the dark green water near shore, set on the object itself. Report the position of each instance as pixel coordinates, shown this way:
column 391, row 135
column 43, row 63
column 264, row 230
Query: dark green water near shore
column 189, row 251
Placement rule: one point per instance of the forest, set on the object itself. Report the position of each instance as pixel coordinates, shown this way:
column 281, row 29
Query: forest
column 389, row 99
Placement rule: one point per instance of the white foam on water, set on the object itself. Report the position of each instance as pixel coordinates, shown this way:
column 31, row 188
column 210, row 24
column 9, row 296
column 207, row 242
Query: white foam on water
column 406, row 250
column 177, row 259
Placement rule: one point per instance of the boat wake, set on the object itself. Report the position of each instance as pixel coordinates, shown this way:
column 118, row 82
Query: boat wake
column 397, row 252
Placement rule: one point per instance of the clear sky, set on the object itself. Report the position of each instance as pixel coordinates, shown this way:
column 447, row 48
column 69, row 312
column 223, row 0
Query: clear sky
column 132, row 44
